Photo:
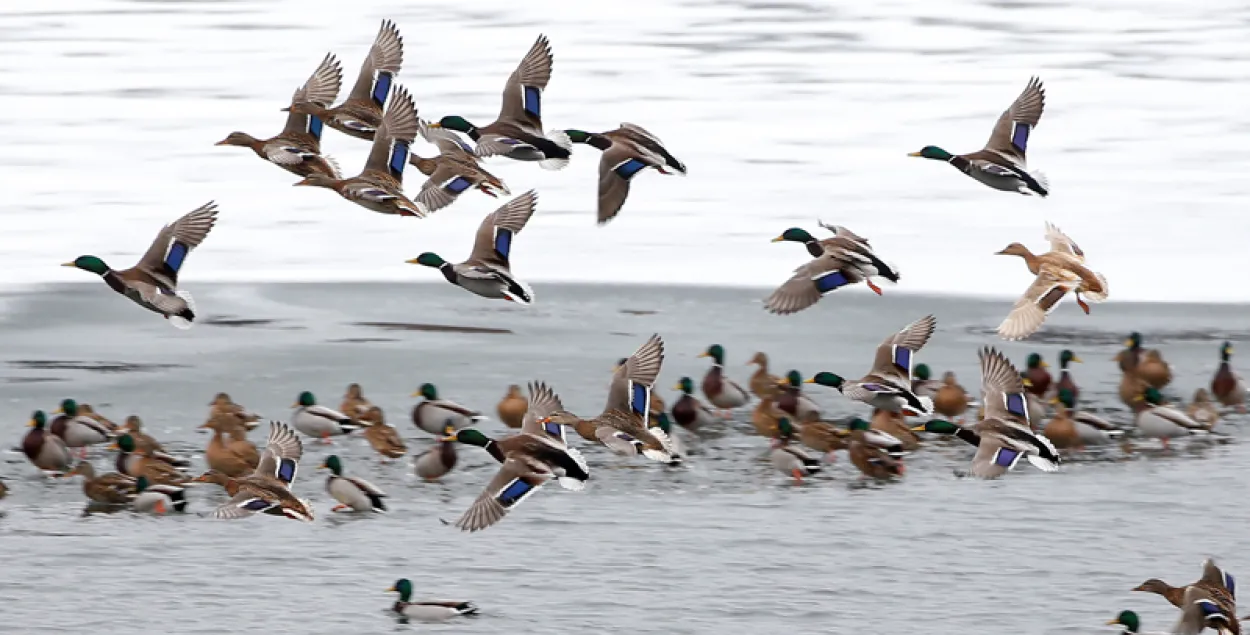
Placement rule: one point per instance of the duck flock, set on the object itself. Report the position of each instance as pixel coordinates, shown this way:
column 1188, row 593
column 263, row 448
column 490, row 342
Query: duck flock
column 1017, row 413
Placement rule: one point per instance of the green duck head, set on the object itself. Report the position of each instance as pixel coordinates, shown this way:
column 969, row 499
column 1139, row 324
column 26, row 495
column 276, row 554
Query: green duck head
column 457, row 123
column 333, row 464
column 1128, row 620
column 828, row 379
column 578, row 136
column 664, row 423
column 1066, row 398
column 1226, row 351
column 1153, row 396
column 794, row 378
column 429, row 259
column 716, row 352
column 1036, row 361
column 141, row 483
column 69, row 408
column 858, row 424
column 403, row 587
column 126, row 443
column 38, row 420
column 932, row 152
column 1133, row 341
column 1067, row 357
column 794, row 234
column 784, row 428
column 469, row 436
column 305, row 400
column 937, row 426
column 922, row 372
column 89, row 263
column 428, row 391
column 686, row 385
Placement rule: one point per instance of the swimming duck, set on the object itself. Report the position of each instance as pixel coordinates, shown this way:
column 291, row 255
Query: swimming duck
column 792, row 401
column 361, row 113
column 1072, row 430
column 518, row 132
column 874, row 453
column 688, row 410
column 895, row 425
column 848, row 248
column 763, row 384
column 352, row 492
column 233, row 456
column 78, row 431
column 627, row 151
column 789, row 459
column 1228, row 386
column 720, row 390
column 110, row 488
column 153, row 498
column 87, row 410
column 452, row 172
column 765, row 417
column 1147, row 364
column 488, row 270
column 267, row 489
column 1208, row 603
column 383, row 438
column 135, row 463
column 1004, row 434
column 1002, row 164
column 321, row 422
column 434, row 413
column 888, row 383
column 1065, row 378
column 45, row 450
column 1039, row 378
column 224, row 405
column 1203, row 410
column 427, row 610
column 951, row 400
column 437, row 461
column 825, row 437
column 380, row 185
column 1157, row 420
column 145, row 442
column 922, row 382
column 1058, row 271
column 676, row 447
column 297, row 149
column 354, row 404
column 527, row 461
column 511, row 408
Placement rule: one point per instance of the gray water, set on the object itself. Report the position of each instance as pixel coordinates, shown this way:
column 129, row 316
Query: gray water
column 723, row 544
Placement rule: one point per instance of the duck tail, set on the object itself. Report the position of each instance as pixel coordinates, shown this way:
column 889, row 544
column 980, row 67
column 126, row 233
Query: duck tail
column 466, row 608
column 1101, row 296
column 1040, row 185
column 560, row 138
column 185, row 318
column 917, row 406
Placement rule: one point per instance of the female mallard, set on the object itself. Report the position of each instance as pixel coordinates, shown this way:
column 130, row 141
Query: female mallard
column 720, row 390
column 1208, row 603
column 527, row 461
column 512, row 407
column 233, row 456
column 765, row 417
column 146, row 443
column 518, row 132
column 1157, row 420
column 688, row 410
column 888, row 383
column 627, row 151
column 1145, row 364
column 454, row 171
column 1065, row 378
column 1039, row 378
column 352, row 492
column 1058, row 271
column 297, row 148
column 874, row 453
column 86, row 410
column 78, row 431
column 1203, row 410
column 792, row 401
column 763, row 384
column 1072, row 430
column 895, row 425
column 426, row 610
column 1228, row 386
column 824, row 437
column 153, row 282
column 268, row 489
column 1004, row 434
column 1002, row 164
column 848, row 247
column 433, row 414
column 380, row 185
column 109, row 488
column 361, row 113
column 222, row 404
column 383, row 438
column 437, row 461
column 354, row 403
column 488, row 271
column 44, row 449
column 135, row 463
column 788, row 459
column 158, row 499
column 321, row 422
column 950, row 400
column 923, row 383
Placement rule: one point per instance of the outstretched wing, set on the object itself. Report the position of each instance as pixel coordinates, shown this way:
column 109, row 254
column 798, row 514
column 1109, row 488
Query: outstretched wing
column 242, row 506
column 394, row 137
column 1061, row 243
column 1002, row 390
column 1030, row 310
column 522, row 95
column 543, row 402
column 619, row 164
column 448, row 142
column 493, row 243
column 280, row 459
column 631, row 383
column 322, row 88
column 381, row 66
column 175, row 241
column 511, row 485
column 1010, row 137
column 895, row 356
column 810, row 282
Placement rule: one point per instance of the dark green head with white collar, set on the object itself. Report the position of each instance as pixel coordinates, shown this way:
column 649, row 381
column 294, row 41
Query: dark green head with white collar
column 427, row 390
column 403, row 587
column 89, row 263
column 1128, row 620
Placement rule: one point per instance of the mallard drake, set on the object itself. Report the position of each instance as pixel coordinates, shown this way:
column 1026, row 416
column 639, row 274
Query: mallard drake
column 874, row 453
column 1146, row 364
column 77, row 430
column 297, row 148
column 788, row 459
column 688, row 411
column 267, row 489
column 145, row 443
column 1228, row 386
column 352, row 492
column 452, row 172
column 135, row 463
column 222, row 404
column 1058, row 271
column 825, row 437
column 437, row 461
column 792, row 401
column 1202, row 409
column 518, row 132
column 720, row 390
column 1157, row 420
column 1070, row 429
column 380, row 185
column 1065, row 378
column 763, row 384
column 888, row 383
column 361, row 113
column 1004, row 433
column 676, row 447
column 153, row 282
column 1002, row 164
column 848, row 248
column 109, row 488
column 426, row 610
column 950, row 400
column 158, row 499
column 235, row 456
column 321, row 422
column 511, row 409
column 354, row 404
column 528, row 460
column 384, row 438
column 923, row 383
column 627, row 151
column 895, row 425
column 488, row 271
column 1208, row 603
column 45, row 450
column 1039, row 378
column 433, row 414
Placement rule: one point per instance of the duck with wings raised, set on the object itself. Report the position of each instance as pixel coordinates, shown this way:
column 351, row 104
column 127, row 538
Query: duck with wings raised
column 1059, row 271
column 627, row 151
column 454, row 171
column 888, row 384
column 268, row 488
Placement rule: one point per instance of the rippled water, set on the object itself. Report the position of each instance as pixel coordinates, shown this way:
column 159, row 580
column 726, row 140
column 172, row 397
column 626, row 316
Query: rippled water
column 784, row 111
column 722, row 545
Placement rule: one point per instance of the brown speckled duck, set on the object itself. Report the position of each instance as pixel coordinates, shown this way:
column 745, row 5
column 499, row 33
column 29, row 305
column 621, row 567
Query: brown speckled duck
column 874, row 453
column 1202, row 409
column 721, row 391
column 895, row 425
column 229, row 451
column 1147, row 364
column 109, row 488
column 267, row 489
column 454, row 171
column 763, row 384
column 382, row 437
column 512, row 407
column 1059, row 271
column 950, row 400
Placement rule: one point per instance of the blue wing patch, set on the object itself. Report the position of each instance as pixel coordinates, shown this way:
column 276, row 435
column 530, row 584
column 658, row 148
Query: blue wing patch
column 399, row 158
column 1005, row 457
column 1020, row 135
column 177, row 255
column 514, row 492
column 830, row 281
column 381, row 87
column 286, row 470
column 533, row 100
column 639, row 399
column 902, row 358
column 503, row 242
column 457, row 184
column 554, row 429
column 628, row 168
column 315, row 125
column 875, row 388
column 1016, row 404
column 255, row 504
column 1210, row 610
column 1230, row 584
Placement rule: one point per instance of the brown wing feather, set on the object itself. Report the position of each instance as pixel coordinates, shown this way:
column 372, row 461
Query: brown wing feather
column 1027, row 108
column 534, row 70
column 386, row 54
column 512, row 216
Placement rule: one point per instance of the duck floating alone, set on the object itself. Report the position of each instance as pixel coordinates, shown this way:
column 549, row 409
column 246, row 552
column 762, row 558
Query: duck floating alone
column 268, row 489
column 360, row 114
column 627, row 151
column 426, row 610
column 1058, row 271
column 720, row 390
column 1226, row 385
column 153, row 282
column 352, row 492
column 434, row 412
column 888, row 383
column 320, row 422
